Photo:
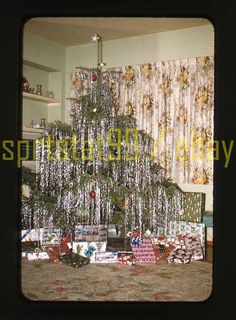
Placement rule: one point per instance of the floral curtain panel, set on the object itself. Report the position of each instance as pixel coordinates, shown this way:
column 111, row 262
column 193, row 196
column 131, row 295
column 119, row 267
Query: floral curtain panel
column 173, row 101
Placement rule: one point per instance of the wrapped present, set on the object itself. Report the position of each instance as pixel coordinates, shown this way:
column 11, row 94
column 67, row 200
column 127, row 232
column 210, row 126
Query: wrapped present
column 73, row 259
column 88, row 249
column 38, row 256
column 53, row 253
column 65, row 235
column 106, row 257
column 144, row 252
column 194, row 206
column 188, row 229
column 32, row 235
column 165, row 246
column 88, row 233
column 180, row 256
column 51, row 236
column 129, row 260
column 161, row 247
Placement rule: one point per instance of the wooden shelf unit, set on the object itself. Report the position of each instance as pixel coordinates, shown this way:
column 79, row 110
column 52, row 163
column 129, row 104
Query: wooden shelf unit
column 32, row 130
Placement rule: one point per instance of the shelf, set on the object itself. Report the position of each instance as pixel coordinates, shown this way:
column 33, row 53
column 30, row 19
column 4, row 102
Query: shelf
column 43, row 99
column 32, row 130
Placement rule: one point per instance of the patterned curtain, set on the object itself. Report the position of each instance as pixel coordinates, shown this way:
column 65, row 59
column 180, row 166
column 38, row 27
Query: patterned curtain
column 173, row 101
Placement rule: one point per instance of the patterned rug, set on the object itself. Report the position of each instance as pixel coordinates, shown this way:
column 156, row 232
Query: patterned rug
column 42, row 280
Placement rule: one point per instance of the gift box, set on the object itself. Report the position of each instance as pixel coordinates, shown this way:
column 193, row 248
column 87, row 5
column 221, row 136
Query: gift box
column 31, row 235
column 54, row 251
column 87, row 233
column 88, row 249
column 180, row 255
column 165, row 246
column 161, row 249
column 106, row 257
column 51, row 236
column 188, row 229
column 194, row 206
column 38, row 256
column 129, row 260
column 73, row 259
column 144, row 252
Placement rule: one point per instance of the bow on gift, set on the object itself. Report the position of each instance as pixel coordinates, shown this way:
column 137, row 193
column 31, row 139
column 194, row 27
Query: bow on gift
column 89, row 251
column 136, row 241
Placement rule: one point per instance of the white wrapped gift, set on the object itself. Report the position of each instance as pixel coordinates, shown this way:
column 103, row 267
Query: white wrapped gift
column 32, row 235
column 88, row 249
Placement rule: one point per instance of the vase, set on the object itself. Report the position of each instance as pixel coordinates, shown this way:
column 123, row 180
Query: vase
column 25, row 84
column 43, row 123
column 39, row 89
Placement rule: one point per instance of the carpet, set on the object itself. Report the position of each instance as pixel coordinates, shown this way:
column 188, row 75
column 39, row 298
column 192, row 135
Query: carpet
column 42, row 280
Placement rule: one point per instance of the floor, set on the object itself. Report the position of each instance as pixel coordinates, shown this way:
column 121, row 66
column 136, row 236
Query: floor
column 43, row 280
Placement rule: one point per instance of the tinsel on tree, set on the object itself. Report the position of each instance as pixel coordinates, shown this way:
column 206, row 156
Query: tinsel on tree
column 99, row 169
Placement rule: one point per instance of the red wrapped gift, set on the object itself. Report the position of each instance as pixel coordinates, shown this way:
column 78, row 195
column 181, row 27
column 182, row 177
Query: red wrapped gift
column 127, row 260
column 64, row 248
column 54, row 251
column 65, row 239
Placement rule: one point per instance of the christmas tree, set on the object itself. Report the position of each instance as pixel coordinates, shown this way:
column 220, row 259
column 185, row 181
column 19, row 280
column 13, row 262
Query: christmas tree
column 100, row 169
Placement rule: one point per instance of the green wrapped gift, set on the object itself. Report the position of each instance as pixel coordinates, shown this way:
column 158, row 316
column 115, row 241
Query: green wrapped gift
column 73, row 259
column 193, row 206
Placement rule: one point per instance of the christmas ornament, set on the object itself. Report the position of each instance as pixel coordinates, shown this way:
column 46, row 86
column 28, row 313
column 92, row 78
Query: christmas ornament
column 94, row 76
column 92, row 194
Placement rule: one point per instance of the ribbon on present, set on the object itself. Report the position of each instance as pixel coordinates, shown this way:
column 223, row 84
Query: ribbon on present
column 136, row 241
column 136, row 233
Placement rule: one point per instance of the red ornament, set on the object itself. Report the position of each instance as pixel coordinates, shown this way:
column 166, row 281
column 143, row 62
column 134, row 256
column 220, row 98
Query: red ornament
column 92, row 194
column 94, row 77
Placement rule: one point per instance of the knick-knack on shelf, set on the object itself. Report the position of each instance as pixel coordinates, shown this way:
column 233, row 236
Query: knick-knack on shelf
column 25, row 84
column 39, row 89
column 42, row 123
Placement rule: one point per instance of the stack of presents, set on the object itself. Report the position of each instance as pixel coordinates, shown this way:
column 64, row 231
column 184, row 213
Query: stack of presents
column 183, row 242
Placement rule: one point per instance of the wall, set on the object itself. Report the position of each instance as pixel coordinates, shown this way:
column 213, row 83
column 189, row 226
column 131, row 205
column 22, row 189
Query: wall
column 44, row 63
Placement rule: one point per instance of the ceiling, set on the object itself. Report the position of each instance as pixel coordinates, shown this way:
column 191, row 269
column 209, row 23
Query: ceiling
column 77, row 31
